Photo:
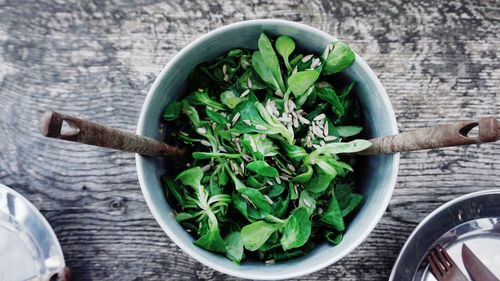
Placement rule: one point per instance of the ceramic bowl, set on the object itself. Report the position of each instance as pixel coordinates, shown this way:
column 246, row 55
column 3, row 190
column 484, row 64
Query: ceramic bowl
column 378, row 175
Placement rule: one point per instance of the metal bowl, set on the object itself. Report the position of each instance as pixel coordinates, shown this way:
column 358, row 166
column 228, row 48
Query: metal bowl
column 28, row 246
column 473, row 218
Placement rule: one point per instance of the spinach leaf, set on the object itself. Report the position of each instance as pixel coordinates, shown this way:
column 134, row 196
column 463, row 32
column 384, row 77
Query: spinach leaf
column 332, row 237
column 333, row 216
column 285, row 47
column 234, row 247
column 200, row 97
column 297, row 229
column 329, row 95
column 338, row 59
column 354, row 202
column 348, row 131
column 254, row 235
column 172, row 111
column 307, row 201
column 301, row 81
column 270, row 58
column 212, row 241
column 262, row 168
column 320, row 181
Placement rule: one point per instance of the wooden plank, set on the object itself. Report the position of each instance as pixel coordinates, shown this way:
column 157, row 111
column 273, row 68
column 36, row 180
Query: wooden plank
column 438, row 62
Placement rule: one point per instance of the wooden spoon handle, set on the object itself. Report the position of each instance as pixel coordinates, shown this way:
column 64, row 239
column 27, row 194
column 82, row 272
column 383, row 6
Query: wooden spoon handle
column 91, row 133
column 436, row 137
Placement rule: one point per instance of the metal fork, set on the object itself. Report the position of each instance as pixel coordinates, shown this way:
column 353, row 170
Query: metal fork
column 443, row 267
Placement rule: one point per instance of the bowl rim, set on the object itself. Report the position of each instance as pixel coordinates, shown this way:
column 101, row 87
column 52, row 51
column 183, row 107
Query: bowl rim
column 213, row 264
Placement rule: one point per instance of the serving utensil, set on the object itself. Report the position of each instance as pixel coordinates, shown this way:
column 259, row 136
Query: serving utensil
column 91, row 133
column 476, row 269
column 443, row 267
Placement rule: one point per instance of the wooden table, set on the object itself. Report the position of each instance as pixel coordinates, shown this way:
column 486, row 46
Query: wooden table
column 439, row 62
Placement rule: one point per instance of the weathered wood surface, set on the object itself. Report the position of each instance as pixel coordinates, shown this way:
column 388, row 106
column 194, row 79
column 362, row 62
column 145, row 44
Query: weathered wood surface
column 439, row 62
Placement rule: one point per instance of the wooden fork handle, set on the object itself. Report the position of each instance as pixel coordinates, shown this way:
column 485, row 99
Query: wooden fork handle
column 87, row 132
column 436, row 137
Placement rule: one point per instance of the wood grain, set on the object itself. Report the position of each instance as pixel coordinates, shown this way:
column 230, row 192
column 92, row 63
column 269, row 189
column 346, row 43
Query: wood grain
column 438, row 60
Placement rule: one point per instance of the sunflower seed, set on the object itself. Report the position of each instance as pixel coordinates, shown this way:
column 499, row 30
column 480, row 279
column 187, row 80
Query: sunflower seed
column 317, row 147
column 291, row 167
column 249, row 83
column 206, row 168
column 214, row 125
column 246, row 92
column 284, row 178
column 226, row 77
column 252, row 144
column 224, row 69
column 318, row 131
column 270, row 183
column 238, row 146
column 206, row 143
column 242, row 167
column 284, row 119
column 235, row 118
column 269, row 200
column 260, row 127
column 295, row 70
column 291, row 105
column 315, row 63
column 330, row 138
column 304, row 120
column 323, row 84
column 234, row 167
column 295, row 121
column 183, row 133
column 202, row 131
column 296, row 187
column 319, row 117
column 246, row 157
column 270, row 261
column 248, row 200
column 322, row 142
column 234, row 134
column 279, row 93
column 325, row 129
column 278, row 180
column 221, row 148
column 307, row 203
column 307, row 58
column 248, row 122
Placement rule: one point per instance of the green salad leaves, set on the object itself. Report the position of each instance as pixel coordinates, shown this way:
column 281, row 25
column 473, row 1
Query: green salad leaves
column 272, row 133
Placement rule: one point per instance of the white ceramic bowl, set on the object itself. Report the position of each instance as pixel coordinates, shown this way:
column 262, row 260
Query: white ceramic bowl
column 377, row 179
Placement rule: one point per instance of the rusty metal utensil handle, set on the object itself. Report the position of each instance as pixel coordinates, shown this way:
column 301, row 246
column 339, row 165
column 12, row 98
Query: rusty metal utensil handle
column 87, row 132
column 436, row 137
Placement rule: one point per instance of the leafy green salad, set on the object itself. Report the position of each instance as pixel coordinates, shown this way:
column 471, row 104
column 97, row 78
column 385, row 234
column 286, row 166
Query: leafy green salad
column 271, row 132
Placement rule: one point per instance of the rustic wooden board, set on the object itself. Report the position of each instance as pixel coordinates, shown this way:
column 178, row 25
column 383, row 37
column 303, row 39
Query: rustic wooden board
column 439, row 62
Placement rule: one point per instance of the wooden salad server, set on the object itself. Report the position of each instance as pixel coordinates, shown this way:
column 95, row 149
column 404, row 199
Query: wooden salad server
column 87, row 132
column 455, row 134
column 91, row 133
